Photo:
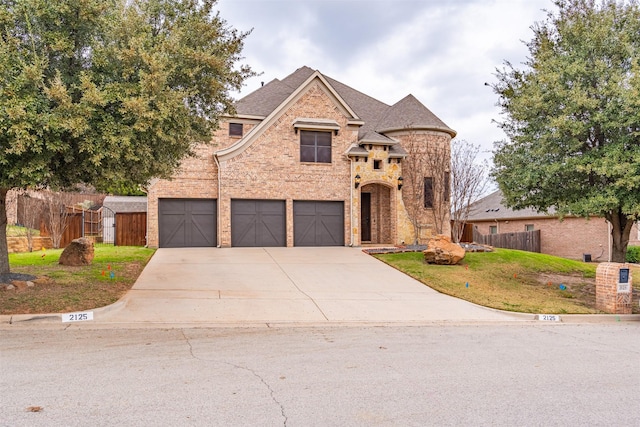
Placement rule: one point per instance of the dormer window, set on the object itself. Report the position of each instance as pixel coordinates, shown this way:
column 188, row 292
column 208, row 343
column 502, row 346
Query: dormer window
column 235, row 129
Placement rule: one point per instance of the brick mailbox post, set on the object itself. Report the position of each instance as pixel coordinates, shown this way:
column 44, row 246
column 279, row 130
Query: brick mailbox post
column 614, row 288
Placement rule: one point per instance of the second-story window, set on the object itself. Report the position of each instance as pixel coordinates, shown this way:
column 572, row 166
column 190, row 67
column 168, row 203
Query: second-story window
column 315, row 147
column 428, row 192
column 235, row 129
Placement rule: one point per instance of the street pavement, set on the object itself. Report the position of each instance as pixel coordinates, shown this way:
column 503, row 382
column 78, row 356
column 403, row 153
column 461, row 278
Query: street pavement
column 488, row 374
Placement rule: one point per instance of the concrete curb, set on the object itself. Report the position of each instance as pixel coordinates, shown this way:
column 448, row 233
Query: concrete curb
column 9, row 319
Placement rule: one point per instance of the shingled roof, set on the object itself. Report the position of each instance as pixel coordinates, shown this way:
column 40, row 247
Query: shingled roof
column 378, row 117
column 492, row 208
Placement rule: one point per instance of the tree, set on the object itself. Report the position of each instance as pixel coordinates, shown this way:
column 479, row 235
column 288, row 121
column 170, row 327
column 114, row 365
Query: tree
column 468, row 182
column 32, row 213
column 106, row 92
column 572, row 117
column 57, row 215
column 426, row 171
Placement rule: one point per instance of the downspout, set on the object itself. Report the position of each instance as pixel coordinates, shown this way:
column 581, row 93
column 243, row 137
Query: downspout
column 215, row 158
column 351, row 202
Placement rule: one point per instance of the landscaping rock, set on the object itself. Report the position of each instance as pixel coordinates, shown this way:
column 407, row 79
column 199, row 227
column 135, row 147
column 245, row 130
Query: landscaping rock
column 19, row 284
column 79, row 252
column 43, row 280
column 476, row 247
column 440, row 250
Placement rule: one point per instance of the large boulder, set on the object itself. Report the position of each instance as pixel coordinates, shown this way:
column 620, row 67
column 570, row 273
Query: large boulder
column 440, row 250
column 79, row 252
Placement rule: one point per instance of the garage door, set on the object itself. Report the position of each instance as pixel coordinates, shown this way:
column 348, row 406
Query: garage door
column 318, row 223
column 258, row 223
column 187, row 222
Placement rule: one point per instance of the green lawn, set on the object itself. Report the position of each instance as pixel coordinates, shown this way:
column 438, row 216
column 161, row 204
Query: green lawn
column 74, row 288
column 509, row 280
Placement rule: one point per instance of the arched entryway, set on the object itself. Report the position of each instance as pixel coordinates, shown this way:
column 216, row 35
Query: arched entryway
column 376, row 225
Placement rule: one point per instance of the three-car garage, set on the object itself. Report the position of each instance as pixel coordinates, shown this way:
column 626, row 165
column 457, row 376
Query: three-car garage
column 254, row 223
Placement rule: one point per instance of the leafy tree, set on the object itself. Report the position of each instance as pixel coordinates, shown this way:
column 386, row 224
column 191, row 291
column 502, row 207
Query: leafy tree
column 572, row 116
column 109, row 91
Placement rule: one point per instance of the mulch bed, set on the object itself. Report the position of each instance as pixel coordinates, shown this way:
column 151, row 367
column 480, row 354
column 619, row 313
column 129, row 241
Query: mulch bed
column 8, row 278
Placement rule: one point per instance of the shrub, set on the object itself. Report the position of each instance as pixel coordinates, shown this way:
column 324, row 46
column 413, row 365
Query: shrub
column 633, row 254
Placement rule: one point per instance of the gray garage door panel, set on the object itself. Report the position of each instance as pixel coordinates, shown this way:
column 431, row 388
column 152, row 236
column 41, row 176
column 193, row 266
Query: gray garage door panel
column 257, row 223
column 187, row 223
column 318, row 223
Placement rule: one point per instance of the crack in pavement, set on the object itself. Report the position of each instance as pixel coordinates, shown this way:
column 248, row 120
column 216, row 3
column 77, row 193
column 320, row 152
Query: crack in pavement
column 254, row 373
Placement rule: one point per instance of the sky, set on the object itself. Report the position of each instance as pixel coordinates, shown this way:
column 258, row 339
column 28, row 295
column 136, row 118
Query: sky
column 441, row 51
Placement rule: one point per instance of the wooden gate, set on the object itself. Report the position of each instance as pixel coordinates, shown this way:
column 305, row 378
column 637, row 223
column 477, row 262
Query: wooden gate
column 131, row 229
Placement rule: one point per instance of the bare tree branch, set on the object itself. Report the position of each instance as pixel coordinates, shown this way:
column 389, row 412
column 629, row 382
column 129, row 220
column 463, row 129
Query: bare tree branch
column 469, row 181
column 426, row 167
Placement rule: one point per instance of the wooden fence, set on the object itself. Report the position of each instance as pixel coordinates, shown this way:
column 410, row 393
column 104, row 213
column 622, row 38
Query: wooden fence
column 467, row 233
column 524, row 241
column 130, row 229
column 73, row 230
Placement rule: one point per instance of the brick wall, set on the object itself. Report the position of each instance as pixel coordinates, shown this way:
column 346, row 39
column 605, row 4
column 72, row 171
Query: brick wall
column 607, row 297
column 197, row 178
column 271, row 169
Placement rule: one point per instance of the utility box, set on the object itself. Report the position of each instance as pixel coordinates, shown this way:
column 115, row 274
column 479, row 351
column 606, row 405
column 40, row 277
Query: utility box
column 614, row 288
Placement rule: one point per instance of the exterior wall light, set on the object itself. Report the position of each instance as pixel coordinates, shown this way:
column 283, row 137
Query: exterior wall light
column 356, row 181
column 400, row 180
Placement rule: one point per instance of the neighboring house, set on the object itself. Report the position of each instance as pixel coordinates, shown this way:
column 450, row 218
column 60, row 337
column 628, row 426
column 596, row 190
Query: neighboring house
column 571, row 237
column 119, row 204
column 306, row 161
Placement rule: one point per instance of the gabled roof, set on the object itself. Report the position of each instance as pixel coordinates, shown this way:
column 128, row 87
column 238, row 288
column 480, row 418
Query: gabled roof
column 492, row 207
column 277, row 90
column 372, row 137
column 126, row 203
column 377, row 116
column 263, row 101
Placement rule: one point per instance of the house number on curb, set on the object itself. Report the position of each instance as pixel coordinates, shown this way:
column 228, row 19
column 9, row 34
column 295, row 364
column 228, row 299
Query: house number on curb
column 77, row 317
column 549, row 317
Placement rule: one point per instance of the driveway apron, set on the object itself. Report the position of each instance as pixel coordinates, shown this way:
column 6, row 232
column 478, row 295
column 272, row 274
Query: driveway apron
column 283, row 285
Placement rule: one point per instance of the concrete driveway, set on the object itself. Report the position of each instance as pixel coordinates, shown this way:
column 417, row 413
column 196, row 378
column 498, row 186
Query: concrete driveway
column 283, row 286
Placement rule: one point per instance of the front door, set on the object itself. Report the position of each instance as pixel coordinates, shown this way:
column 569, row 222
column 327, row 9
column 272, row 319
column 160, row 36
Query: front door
column 365, row 217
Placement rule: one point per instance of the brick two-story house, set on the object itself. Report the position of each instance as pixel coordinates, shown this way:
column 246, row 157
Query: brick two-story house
column 306, row 161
